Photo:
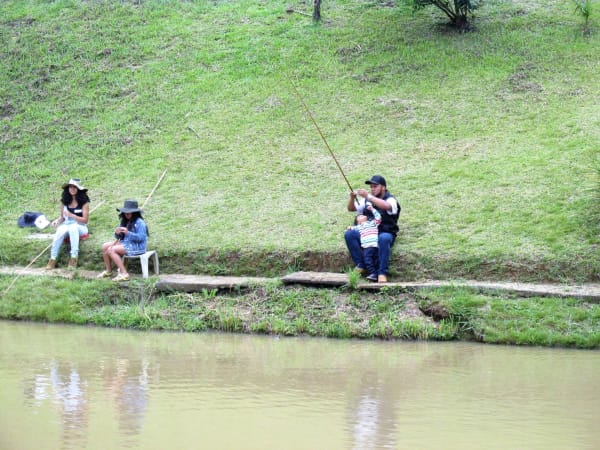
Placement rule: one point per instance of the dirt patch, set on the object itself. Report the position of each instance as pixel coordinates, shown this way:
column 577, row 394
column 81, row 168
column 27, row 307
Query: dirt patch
column 19, row 23
column 7, row 110
column 349, row 54
column 521, row 81
column 436, row 311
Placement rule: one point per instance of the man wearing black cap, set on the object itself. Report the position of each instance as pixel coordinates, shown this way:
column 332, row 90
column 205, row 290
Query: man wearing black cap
column 389, row 208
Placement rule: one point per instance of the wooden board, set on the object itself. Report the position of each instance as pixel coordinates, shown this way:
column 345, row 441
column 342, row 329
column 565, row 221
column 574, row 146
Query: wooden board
column 316, row 278
column 197, row 283
column 589, row 292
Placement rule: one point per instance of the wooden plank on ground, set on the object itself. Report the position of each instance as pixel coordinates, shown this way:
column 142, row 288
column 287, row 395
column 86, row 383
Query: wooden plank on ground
column 316, row 278
column 588, row 292
column 197, row 283
column 40, row 271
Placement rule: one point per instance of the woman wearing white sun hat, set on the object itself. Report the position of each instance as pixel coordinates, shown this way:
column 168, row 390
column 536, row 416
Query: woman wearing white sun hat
column 72, row 221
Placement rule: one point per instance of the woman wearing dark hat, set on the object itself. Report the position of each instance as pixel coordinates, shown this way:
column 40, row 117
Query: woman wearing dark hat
column 72, row 221
column 132, row 235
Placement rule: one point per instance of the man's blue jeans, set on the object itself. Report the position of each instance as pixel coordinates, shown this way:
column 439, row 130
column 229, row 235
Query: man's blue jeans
column 385, row 243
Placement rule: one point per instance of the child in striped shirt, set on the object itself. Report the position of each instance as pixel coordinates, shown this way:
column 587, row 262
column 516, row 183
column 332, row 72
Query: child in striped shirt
column 369, row 234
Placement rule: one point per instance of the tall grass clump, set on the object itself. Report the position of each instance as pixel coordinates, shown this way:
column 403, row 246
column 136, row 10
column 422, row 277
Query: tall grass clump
column 584, row 9
column 594, row 194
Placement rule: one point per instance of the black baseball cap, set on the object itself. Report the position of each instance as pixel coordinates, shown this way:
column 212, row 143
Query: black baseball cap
column 376, row 179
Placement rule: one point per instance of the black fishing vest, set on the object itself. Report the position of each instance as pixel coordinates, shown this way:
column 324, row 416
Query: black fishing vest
column 389, row 222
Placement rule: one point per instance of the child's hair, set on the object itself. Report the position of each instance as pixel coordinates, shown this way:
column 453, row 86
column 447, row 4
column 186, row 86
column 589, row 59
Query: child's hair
column 367, row 212
column 129, row 223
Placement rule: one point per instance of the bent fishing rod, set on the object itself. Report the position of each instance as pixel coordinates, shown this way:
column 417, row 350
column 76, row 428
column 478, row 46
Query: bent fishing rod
column 147, row 198
column 322, row 137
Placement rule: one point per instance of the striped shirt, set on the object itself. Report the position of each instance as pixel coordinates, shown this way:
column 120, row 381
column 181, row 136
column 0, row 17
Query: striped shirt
column 368, row 231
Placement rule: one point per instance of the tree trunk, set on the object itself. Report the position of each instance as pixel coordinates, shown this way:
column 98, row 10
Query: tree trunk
column 317, row 11
column 462, row 23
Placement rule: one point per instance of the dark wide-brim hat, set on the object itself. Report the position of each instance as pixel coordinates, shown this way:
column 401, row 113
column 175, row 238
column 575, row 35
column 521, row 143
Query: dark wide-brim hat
column 130, row 206
column 376, row 179
column 33, row 219
column 75, row 182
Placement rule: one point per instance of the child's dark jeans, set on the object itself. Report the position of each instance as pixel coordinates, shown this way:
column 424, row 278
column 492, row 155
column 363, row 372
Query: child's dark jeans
column 370, row 255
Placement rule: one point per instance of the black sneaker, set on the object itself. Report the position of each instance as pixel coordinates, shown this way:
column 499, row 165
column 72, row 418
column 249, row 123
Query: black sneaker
column 372, row 277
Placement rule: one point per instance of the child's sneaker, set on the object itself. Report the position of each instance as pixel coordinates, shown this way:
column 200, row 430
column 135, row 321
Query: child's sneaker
column 372, row 277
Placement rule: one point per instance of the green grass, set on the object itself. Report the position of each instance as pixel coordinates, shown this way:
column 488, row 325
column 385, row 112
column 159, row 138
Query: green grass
column 433, row 314
column 489, row 139
column 549, row 322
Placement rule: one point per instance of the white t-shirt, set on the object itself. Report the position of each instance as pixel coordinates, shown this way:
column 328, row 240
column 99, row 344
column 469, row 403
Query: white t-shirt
column 360, row 207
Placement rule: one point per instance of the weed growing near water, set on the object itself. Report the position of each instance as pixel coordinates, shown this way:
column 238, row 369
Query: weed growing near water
column 354, row 278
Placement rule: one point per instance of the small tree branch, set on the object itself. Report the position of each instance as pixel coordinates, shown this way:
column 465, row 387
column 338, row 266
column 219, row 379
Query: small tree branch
column 292, row 10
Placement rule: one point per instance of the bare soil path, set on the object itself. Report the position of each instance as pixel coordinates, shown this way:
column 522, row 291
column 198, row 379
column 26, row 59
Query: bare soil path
column 589, row 292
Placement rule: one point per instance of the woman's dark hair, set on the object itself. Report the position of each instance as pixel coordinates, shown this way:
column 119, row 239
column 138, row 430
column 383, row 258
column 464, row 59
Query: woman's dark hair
column 129, row 223
column 81, row 197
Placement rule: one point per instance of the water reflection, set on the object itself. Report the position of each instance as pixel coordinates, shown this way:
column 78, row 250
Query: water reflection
column 96, row 388
column 126, row 382
column 61, row 385
column 374, row 424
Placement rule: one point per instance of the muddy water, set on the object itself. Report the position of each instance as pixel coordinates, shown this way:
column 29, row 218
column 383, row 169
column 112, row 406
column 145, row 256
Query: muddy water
column 79, row 387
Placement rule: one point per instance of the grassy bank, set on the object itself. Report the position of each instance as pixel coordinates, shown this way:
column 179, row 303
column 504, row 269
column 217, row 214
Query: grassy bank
column 489, row 139
column 441, row 314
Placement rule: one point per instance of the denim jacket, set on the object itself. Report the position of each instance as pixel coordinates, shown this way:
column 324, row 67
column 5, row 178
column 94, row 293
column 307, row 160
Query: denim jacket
column 135, row 241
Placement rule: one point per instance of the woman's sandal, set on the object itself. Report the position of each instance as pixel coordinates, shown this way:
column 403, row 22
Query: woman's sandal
column 121, row 277
column 104, row 274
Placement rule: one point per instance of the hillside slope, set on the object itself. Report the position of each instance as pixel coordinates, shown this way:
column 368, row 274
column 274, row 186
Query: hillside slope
column 489, row 139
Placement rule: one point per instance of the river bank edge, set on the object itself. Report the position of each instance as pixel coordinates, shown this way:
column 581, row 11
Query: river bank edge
column 404, row 265
column 269, row 306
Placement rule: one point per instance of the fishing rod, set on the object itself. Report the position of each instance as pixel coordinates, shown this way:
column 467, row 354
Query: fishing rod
column 322, row 137
column 38, row 256
column 147, row 198
column 154, row 189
